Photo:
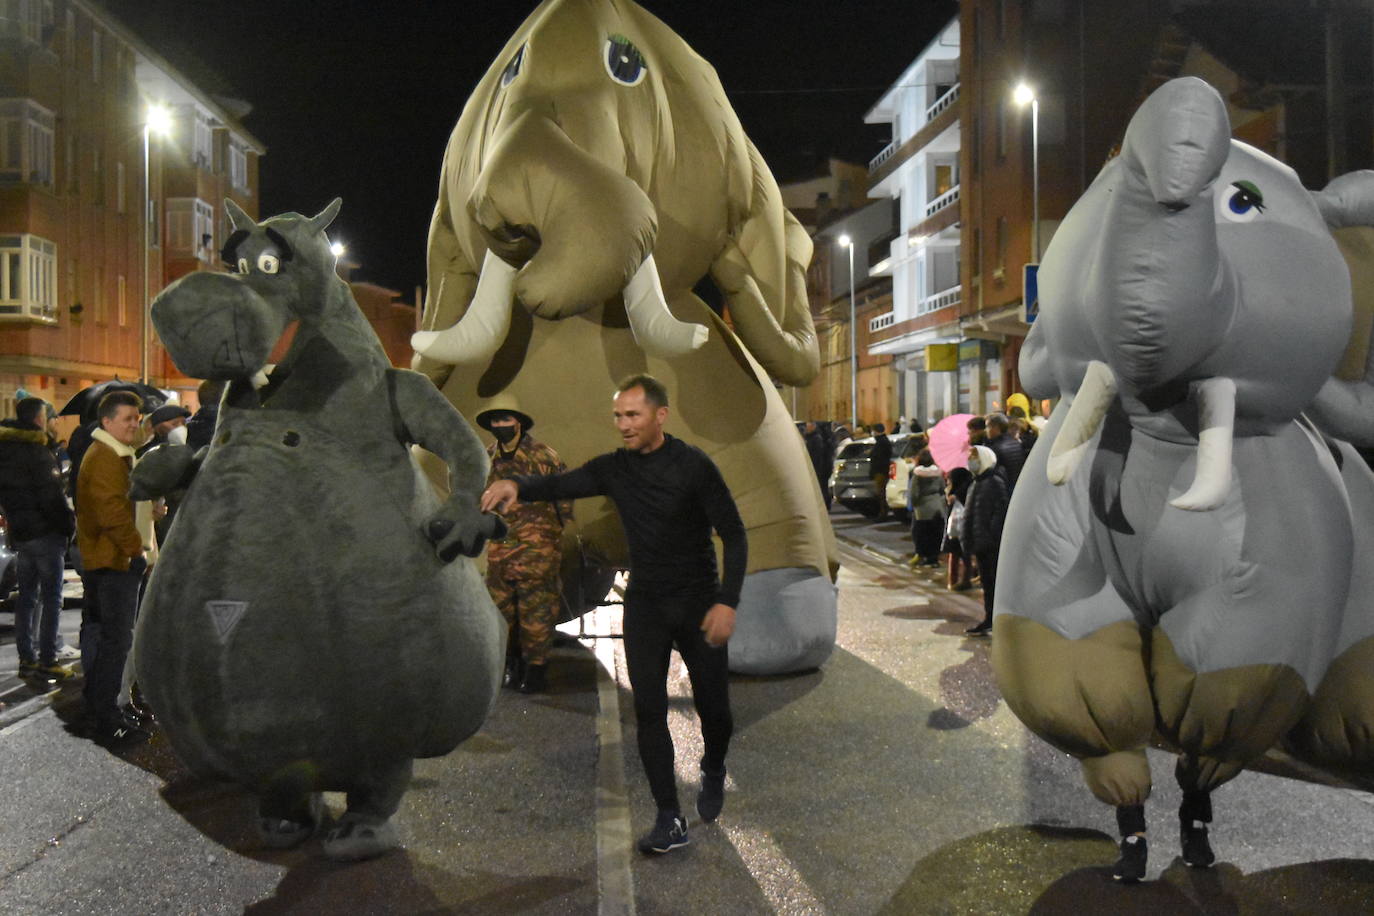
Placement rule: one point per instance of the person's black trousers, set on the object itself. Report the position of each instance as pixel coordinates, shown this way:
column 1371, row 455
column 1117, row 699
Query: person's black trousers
column 987, row 569
column 109, row 606
column 926, row 534
column 654, row 626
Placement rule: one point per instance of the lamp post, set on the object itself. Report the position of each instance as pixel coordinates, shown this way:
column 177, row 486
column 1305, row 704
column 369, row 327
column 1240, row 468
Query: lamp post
column 1025, row 94
column 157, row 120
column 847, row 242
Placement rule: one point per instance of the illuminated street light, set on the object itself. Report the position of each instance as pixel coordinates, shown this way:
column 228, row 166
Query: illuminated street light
column 337, row 249
column 157, row 120
column 847, row 242
column 1023, row 95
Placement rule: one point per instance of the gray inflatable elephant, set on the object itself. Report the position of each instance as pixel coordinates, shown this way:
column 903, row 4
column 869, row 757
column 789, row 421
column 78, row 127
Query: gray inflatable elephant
column 308, row 627
column 1178, row 552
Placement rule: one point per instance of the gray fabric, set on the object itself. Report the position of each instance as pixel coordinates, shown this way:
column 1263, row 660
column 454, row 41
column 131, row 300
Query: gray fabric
column 300, row 613
column 786, row 622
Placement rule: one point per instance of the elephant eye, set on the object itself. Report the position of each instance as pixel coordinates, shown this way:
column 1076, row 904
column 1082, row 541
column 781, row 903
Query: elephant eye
column 1241, row 202
column 268, row 263
column 624, row 62
column 512, row 70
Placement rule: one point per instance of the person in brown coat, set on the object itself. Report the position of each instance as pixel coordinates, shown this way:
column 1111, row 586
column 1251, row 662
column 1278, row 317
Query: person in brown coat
column 113, row 555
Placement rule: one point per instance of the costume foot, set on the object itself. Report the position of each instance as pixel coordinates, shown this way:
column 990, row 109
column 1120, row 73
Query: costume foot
column 1131, row 866
column 711, row 798
column 1197, row 851
column 786, row 622
column 357, row 838
column 285, row 833
column 670, row 832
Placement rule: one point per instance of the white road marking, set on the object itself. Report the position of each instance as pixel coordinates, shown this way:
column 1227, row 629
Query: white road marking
column 615, row 882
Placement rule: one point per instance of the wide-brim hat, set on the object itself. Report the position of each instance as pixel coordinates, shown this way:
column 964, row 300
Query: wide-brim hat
column 491, row 413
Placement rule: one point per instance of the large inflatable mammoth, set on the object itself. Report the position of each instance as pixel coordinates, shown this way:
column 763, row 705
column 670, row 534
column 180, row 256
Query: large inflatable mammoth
column 596, row 176
column 1178, row 552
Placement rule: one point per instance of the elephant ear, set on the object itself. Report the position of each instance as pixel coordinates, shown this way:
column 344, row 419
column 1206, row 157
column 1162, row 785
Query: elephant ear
column 1347, row 200
column 1344, row 407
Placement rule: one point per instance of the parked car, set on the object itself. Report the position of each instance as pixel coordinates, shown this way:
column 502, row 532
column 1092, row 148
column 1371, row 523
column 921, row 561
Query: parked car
column 899, row 473
column 853, row 487
column 9, row 571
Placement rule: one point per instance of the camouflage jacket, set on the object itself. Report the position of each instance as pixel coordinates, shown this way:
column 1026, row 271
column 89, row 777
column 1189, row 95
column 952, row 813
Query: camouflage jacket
column 538, row 525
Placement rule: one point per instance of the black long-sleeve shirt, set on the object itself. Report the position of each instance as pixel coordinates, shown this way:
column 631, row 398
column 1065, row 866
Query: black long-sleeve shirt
column 668, row 501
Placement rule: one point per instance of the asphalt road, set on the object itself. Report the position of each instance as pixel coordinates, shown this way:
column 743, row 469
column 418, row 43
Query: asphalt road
column 893, row 780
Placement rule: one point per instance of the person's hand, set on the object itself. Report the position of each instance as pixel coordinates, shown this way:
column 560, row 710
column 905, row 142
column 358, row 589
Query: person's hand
column 160, row 510
column 500, row 496
column 718, row 625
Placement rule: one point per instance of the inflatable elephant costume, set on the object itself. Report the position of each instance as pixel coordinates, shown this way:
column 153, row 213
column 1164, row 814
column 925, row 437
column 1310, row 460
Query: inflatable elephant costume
column 307, row 627
column 596, row 176
column 1179, row 559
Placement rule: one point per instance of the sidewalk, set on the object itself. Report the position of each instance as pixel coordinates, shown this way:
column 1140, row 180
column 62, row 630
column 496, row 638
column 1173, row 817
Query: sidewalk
column 20, row 698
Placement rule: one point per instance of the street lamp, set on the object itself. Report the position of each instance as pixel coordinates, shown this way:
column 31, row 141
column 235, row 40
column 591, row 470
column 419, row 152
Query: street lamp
column 847, row 242
column 157, row 120
column 1022, row 95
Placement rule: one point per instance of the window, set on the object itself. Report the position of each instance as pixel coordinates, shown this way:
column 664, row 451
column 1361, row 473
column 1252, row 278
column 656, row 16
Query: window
column 191, row 228
column 1000, row 270
column 96, row 57
column 28, row 277
column 238, row 167
column 22, row 19
column 121, row 303
column 120, row 203
column 26, row 142
column 201, row 140
column 1001, row 128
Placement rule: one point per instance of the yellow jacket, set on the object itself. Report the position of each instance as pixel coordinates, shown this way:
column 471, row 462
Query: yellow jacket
column 105, row 529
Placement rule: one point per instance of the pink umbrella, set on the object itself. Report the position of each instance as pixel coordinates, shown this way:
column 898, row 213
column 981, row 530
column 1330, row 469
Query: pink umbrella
column 949, row 441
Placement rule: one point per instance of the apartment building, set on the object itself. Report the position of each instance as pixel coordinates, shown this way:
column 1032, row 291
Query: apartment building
column 75, row 90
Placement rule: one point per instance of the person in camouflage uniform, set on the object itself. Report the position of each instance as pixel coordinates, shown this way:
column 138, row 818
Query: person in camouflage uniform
column 523, row 568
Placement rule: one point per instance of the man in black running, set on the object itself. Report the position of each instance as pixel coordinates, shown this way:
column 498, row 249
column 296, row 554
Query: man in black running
column 669, row 496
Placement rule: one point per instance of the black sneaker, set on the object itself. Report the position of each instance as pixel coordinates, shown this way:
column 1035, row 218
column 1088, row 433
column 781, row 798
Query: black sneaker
column 711, row 798
column 1197, row 851
column 536, row 679
column 121, row 733
column 1131, row 866
column 670, row 832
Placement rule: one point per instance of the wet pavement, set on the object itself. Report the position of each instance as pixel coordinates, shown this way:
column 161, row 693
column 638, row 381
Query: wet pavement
column 893, row 780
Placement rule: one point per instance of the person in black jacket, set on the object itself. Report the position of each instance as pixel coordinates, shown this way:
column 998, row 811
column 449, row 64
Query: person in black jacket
column 40, row 524
column 879, row 461
column 670, row 496
column 985, row 511
column 1010, row 455
column 819, row 454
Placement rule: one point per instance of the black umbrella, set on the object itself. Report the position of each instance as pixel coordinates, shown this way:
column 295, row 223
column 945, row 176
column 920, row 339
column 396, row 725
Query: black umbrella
column 85, row 401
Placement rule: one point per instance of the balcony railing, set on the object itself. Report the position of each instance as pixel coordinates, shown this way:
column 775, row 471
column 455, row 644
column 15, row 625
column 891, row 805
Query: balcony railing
column 944, row 200
column 885, row 155
column 882, row 321
column 943, row 102
column 951, row 296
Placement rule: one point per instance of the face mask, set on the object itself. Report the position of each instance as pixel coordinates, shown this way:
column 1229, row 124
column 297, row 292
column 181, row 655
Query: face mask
column 504, row 434
column 177, row 436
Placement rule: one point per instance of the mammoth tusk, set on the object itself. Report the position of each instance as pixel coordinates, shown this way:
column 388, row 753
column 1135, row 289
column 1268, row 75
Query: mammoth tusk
column 479, row 333
column 1216, row 407
column 654, row 327
column 1089, row 407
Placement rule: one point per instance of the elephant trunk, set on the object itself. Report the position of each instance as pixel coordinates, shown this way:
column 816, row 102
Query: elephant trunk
column 584, row 232
column 1157, row 261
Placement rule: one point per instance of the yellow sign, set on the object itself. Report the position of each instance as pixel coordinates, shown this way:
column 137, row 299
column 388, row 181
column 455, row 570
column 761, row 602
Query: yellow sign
column 942, row 357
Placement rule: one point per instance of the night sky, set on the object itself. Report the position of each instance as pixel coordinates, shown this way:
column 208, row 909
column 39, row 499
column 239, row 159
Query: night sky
column 357, row 99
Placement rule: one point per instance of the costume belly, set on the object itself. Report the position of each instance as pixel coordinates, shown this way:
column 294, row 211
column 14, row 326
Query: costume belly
column 298, row 614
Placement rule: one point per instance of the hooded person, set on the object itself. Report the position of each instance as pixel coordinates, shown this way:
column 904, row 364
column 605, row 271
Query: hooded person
column 523, row 567
column 985, row 512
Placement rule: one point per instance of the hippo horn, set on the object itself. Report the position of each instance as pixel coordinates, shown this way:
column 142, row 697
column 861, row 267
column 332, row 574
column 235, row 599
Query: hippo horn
column 479, row 333
column 320, row 221
column 1216, row 408
column 654, row 327
column 1090, row 404
column 240, row 220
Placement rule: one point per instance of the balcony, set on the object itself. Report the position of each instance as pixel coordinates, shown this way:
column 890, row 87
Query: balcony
column 949, row 98
column 882, row 157
column 952, row 296
column 946, row 199
column 882, row 321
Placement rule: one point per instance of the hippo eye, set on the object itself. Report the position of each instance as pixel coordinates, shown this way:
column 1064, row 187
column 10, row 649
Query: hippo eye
column 268, row 263
column 1241, row 202
column 624, row 62
column 512, row 70
column 243, row 265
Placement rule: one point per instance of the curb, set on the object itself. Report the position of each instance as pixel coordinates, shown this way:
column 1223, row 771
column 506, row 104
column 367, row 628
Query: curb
column 25, row 708
column 879, row 552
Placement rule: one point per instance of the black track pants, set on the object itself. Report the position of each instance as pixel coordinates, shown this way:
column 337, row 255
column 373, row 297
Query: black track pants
column 654, row 626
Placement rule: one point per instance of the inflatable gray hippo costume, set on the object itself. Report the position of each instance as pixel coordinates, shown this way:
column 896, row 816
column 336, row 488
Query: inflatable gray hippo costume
column 306, row 628
column 1189, row 557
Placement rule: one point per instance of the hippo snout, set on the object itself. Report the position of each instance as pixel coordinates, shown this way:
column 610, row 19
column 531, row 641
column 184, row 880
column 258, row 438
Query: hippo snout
column 215, row 326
